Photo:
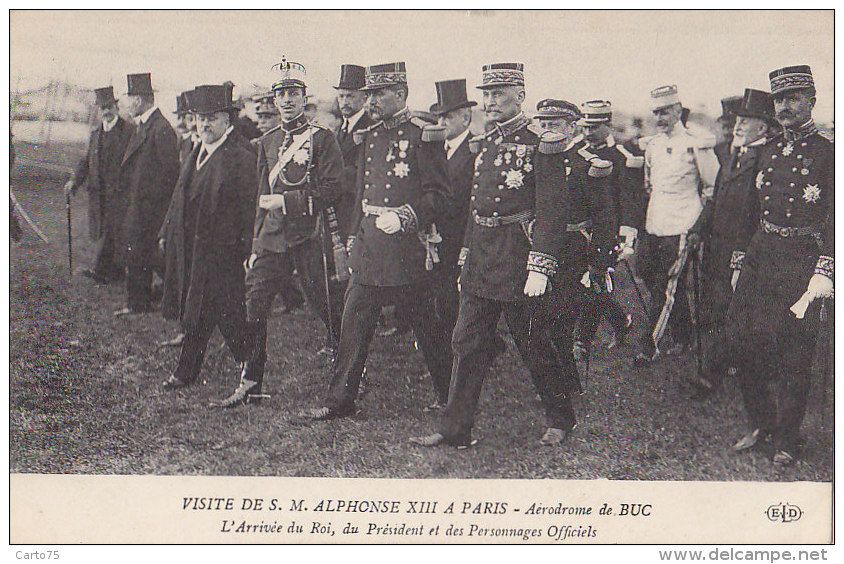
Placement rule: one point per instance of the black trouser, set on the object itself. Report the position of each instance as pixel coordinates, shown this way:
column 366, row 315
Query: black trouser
column 531, row 328
column 139, row 285
column 447, row 297
column 269, row 275
column 657, row 255
column 230, row 317
column 105, row 266
column 596, row 307
column 716, row 294
column 360, row 316
column 787, row 368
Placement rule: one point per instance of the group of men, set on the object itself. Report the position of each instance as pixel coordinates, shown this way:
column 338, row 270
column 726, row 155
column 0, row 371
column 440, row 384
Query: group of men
column 528, row 219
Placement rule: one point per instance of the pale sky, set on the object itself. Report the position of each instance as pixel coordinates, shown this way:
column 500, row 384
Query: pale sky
column 615, row 55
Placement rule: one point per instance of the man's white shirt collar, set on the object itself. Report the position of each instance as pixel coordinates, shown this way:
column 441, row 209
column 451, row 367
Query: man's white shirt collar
column 353, row 120
column 453, row 144
column 144, row 117
column 109, row 125
column 211, row 147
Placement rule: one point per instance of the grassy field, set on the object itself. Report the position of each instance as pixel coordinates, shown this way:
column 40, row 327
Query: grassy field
column 86, row 397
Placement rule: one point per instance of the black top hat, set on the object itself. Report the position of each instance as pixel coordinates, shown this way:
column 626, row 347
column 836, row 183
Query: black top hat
column 756, row 104
column 105, row 97
column 210, row 98
column 729, row 107
column 352, row 77
column 451, row 95
column 383, row 76
column 139, row 84
column 798, row 77
column 181, row 104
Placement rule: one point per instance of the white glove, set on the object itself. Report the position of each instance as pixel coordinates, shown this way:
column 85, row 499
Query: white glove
column 819, row 286
column 459, row 287
column 389, row 223
column 161, row 244
column 68, row 187
column 250, row 262
column 734, row 279
column 271, row 202
column 536, row 284
column 626, row 251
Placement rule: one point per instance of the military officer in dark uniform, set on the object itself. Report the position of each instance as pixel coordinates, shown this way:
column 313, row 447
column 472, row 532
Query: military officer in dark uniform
column 299, row 169
column 725, row 230
column 99, row 170
column 788, row 269
column 512, row 256
column 207, row 234
column 402, row 184
column 596, row 120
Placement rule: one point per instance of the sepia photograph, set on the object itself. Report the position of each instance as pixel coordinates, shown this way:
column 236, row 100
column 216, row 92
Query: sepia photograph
column 518, row 264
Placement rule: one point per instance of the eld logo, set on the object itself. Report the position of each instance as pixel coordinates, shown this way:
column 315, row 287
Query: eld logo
column 784, row 512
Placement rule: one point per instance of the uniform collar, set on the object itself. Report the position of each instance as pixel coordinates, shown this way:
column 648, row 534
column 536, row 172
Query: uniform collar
column 512, row 125
column 397, row 118
column 295, row 124
column 804, row 130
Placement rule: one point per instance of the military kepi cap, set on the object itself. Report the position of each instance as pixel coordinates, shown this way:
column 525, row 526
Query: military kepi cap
column 756, row 104
column 551, row 108
column 265, row 105
column 291, row 75
column 787, row 79
column 105, row 97
column 139, row 84
column 502, row 74
column 210, row 98
column 384, row 76
column 352, row 77
column 451, row 95
column 664, row 96
column 595, row 112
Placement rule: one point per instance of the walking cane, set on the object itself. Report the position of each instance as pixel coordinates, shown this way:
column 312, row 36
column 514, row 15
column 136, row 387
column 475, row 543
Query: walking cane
column 323, row 238
column 824, row 362
column 69, row 234
column 638, row 290
column 696, row 284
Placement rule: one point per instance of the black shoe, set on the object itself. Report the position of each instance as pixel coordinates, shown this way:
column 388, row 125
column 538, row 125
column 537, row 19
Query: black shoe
column 750, row 440
column 248, row 392
column 784, row 458
column 96, row 277
column 326, row 413
column 702, row 388
column 436, row 406
column 437, row 439
column 619, row 336
column 554, row 436
column 173, row 383
column 644, row 359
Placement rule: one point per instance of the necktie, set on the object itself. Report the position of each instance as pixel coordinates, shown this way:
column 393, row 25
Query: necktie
column 203, row 154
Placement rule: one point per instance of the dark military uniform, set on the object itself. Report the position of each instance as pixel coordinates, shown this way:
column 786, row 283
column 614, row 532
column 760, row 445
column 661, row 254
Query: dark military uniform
column 794, row 239
column 517, row 225
column 626, row 198
column 308, row 177
column 400, row 170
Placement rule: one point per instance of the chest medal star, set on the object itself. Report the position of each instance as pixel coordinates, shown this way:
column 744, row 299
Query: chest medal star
column 811, row 193
column 300, row 157
column 787, row 150
column 514, row 179
column 401, row 170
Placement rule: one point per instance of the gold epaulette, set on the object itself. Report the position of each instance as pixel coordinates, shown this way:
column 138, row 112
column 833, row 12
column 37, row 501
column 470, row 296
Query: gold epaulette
column 599, row 168
column 433, row 133
column 551, row 143
column 359, row 135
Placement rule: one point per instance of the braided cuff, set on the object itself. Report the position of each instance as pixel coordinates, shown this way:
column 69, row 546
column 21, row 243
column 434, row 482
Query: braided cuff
column 542, row 263
column 350, row 242
column 464, row 254
column 825, row 267
column 409, row 221
column 737, row 260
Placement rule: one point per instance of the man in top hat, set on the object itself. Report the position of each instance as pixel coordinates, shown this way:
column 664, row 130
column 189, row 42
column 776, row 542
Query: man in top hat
column 727, row 121
column 351, row 101
column 625, row 192
column 299, row 168
column 99, row 170
column 185, row 128
column 148, row 173
column 207, row 235
column 787, row 271
column 726, row 225
column 512, row 256
column 680, row 176
column 401, row 185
